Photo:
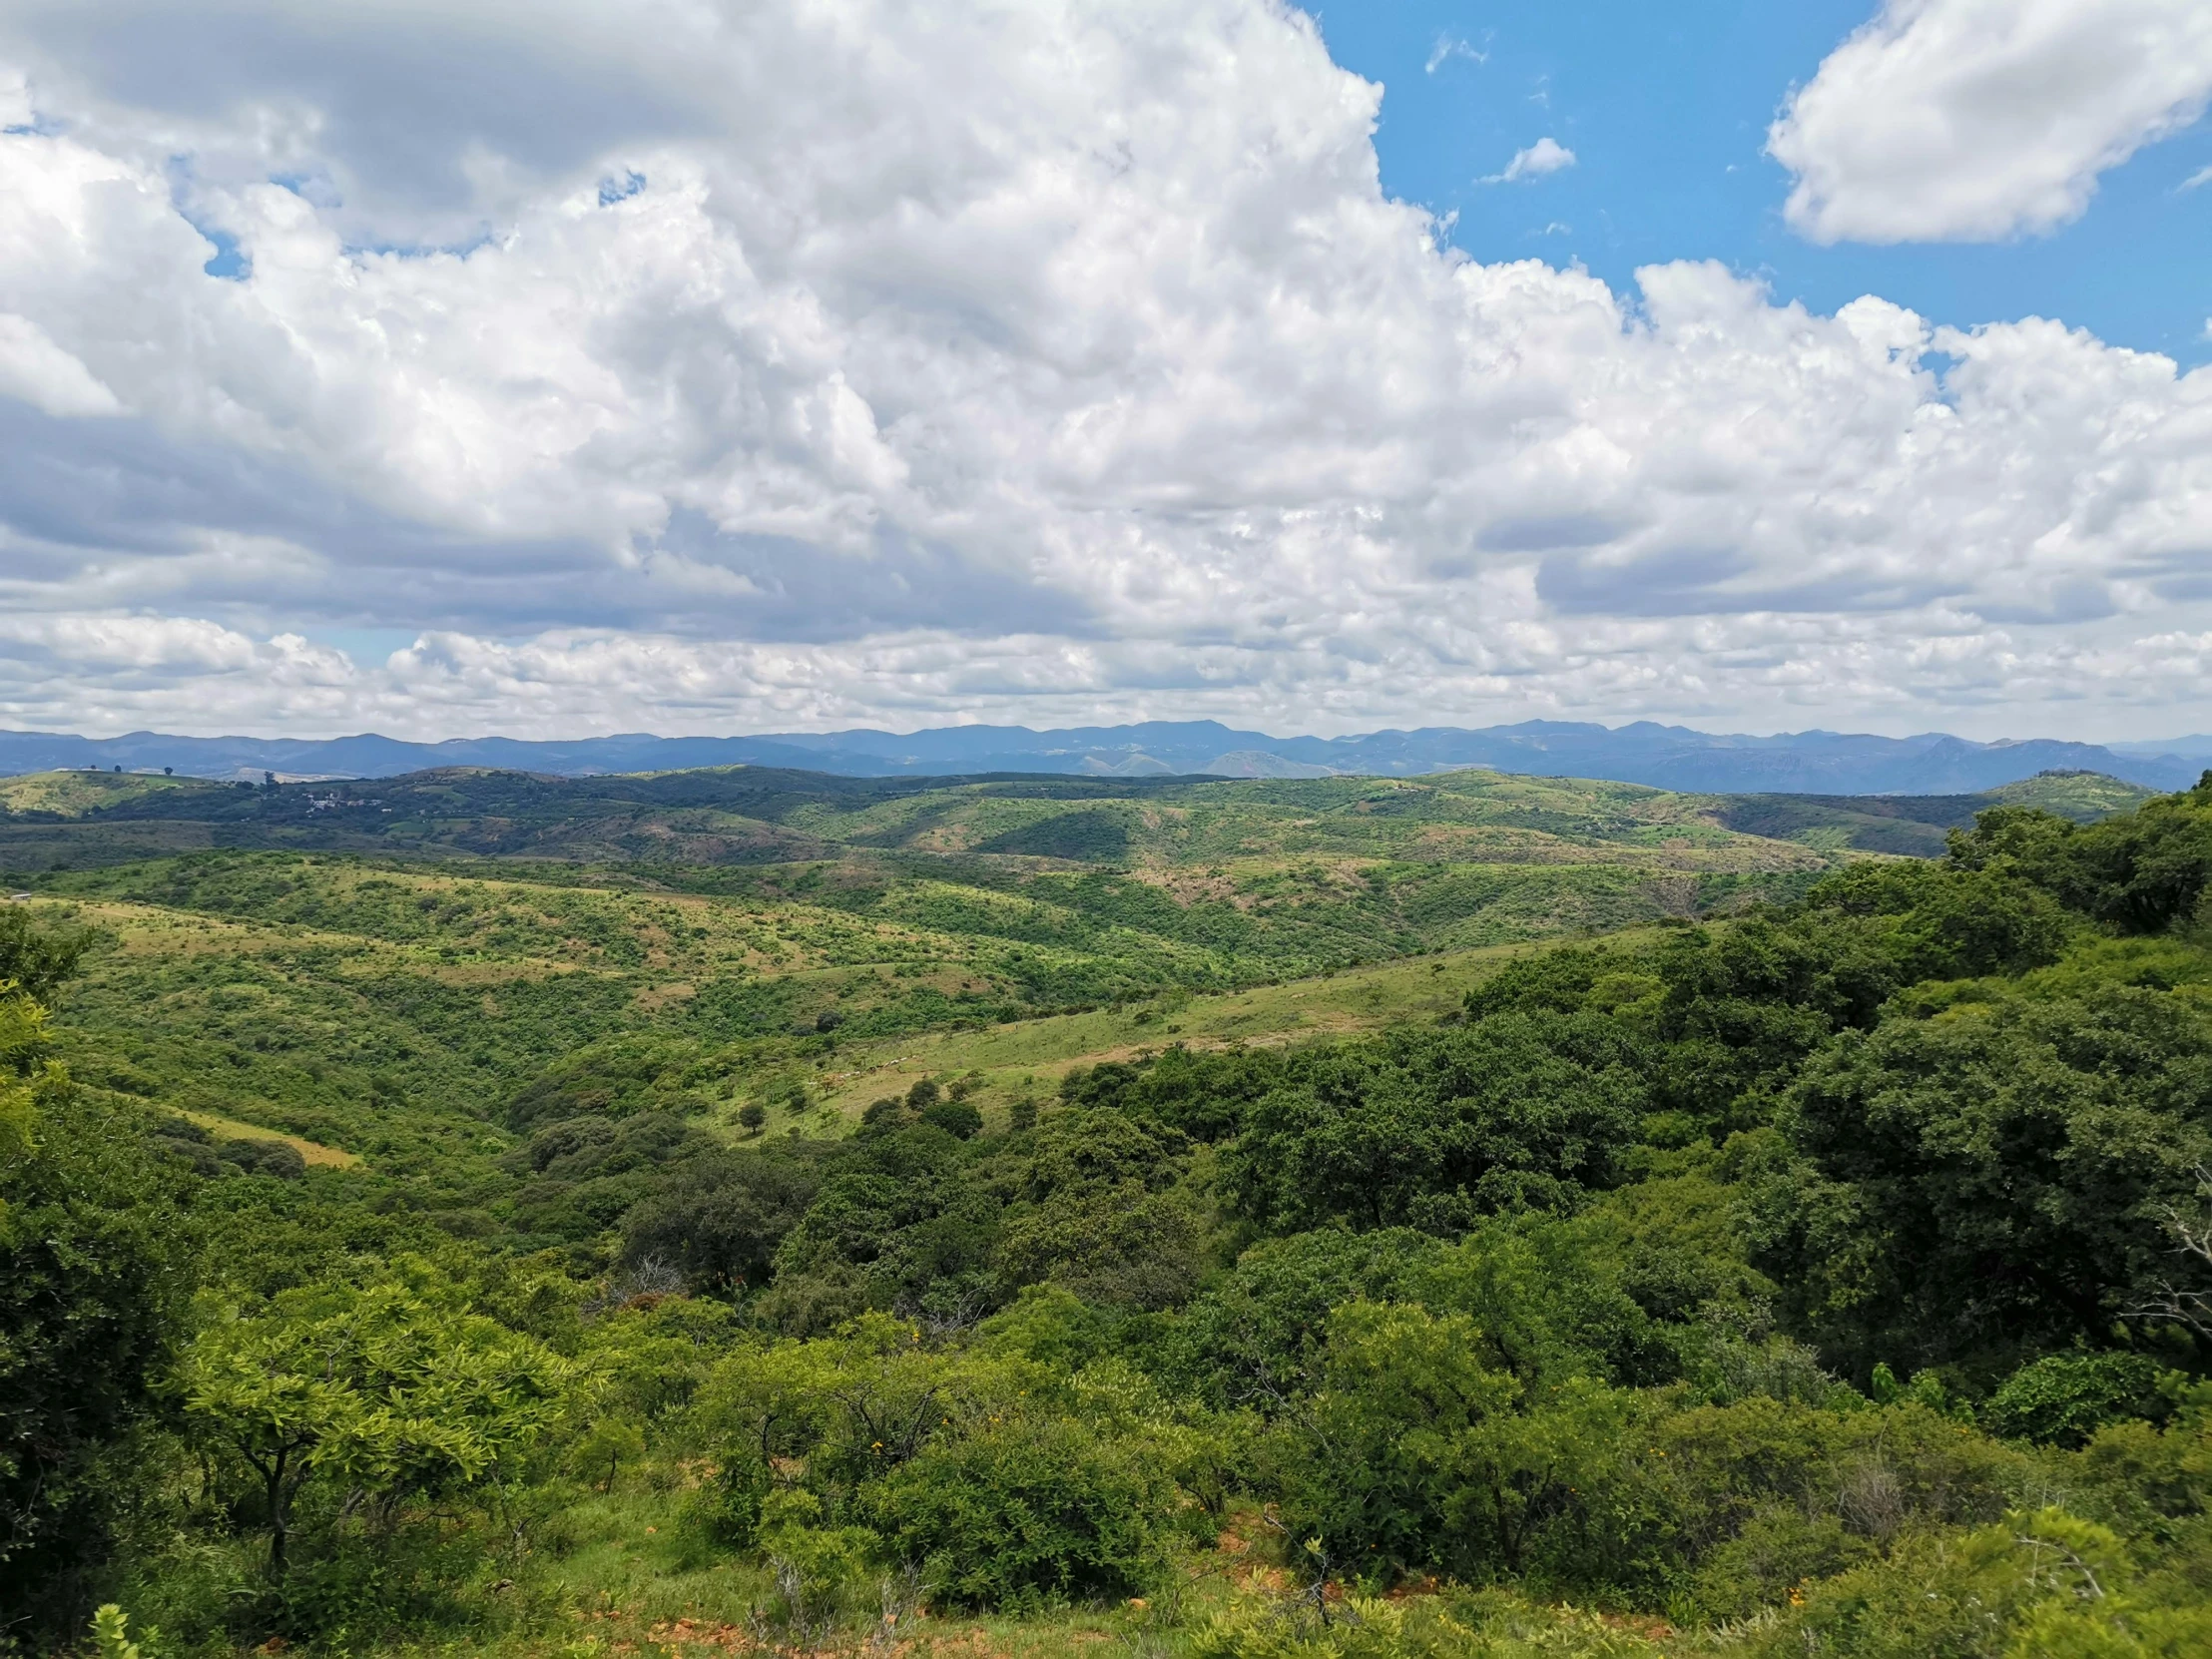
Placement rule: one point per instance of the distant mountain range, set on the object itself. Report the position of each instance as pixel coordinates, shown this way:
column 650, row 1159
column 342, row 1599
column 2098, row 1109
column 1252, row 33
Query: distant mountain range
column 1669, row 757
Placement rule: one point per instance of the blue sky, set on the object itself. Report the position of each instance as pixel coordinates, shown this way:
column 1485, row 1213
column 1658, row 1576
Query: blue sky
column 1666, row 108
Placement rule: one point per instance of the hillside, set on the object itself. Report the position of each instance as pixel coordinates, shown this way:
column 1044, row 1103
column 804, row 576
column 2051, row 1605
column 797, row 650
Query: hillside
column 452, row 934
column 377, row 966
column 75, row 795
column 1915, row 825
column 345, row 962
column 749, row 815
column 745, row 816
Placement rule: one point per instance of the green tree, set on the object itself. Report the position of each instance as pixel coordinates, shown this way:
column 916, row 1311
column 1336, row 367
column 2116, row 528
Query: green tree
column 719, row 1219
column 2140, row 871
column 393, row 1388
column 1434, row 1129
column 904, row 1224
column 93, row 1263
column 1374, row 1455
column 2064, row 1399
column 1992, row 1176
column 36, row 959
column 1094, row 1204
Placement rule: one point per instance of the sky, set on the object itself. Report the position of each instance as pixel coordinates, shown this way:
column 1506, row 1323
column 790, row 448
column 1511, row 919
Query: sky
column 732, row 366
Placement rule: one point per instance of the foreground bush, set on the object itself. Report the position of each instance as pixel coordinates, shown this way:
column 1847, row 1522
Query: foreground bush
column 1028, row 1515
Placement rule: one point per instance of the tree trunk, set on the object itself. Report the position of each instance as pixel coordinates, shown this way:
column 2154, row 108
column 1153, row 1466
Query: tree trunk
column 278, row 1528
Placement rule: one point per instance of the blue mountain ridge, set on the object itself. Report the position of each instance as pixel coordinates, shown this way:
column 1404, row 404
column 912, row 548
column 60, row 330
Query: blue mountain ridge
column 1667, row 757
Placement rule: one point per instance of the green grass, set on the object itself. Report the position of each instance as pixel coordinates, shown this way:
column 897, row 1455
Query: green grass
column 627, row 1575
column 1028, row 1058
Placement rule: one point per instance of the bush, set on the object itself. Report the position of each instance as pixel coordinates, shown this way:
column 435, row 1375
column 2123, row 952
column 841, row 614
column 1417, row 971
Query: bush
column 2065, row 1398
column 2043, row 1583
column 721, row 1219
column 1780, row 1547
column 1029, row 1514
column 1977, row 1182
column 956, row 1117
column 263, row 1157
column 38, row 958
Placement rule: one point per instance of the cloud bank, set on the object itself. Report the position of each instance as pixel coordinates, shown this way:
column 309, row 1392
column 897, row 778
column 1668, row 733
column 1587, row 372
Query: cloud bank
column 1975, row 120
column 702, row 367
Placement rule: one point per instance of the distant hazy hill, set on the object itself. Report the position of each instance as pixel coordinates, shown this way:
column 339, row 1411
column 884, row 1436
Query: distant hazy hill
column 1666, row 756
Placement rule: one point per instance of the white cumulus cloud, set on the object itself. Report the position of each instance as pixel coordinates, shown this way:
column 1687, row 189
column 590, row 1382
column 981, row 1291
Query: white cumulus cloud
column 701, row 366
column 1541, row 159
column 1974, row 120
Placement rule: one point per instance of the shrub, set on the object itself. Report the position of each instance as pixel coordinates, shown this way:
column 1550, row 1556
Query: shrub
column 721, row 1219
column 2065, row 1398
column 1781, row 1546
column 956, row 1117
column 263, row 1157
column 727, row 1510
column 1977, row 1182
column 2042, row 1583
column 1028, row 1513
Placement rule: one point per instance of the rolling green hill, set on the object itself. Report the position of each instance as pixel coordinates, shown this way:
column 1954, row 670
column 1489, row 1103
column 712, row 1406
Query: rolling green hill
column 77, row 794
column 735, row 816
column 380, row 966
column 742, row 815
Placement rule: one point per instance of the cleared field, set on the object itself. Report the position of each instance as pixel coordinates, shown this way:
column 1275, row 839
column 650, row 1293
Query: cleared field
column 1010, row 1062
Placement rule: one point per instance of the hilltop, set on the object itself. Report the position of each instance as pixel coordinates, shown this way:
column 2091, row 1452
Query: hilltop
column 54, row 795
